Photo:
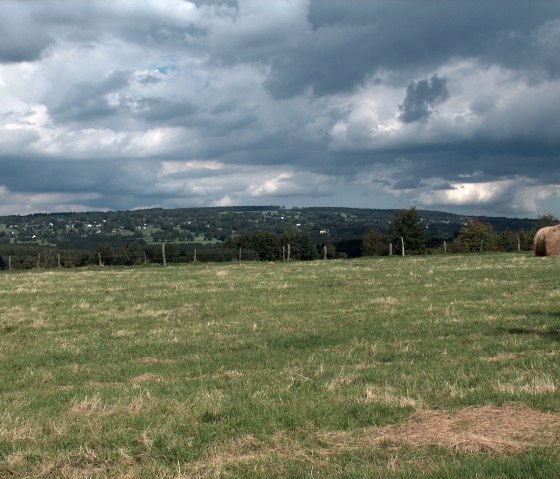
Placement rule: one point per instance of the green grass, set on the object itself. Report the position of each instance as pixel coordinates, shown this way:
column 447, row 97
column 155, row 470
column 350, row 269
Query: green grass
column 321, row 369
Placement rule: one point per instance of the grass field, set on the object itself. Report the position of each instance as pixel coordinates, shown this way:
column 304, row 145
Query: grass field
column 432, row 367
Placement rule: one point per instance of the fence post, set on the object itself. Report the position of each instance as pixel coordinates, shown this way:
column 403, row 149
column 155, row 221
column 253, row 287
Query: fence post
column 283, row 253
column 99, row 261
column 239, row 254
column 390, row 249
column 445, row 246
column 10, row 263
column 164, row 260
column 58, row 259
column 38, row 260
column 518, row 244
column 289, row 252
column 402, row 246
column 325, row 252
column 194, row 256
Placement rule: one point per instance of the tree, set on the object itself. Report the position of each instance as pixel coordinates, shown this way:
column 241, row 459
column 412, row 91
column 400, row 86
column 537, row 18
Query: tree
column 302, row 247
column 476, row 236
column 547, row 220
column 106, row 252
column 407, row 224
column 375, row 243
column 507, row 241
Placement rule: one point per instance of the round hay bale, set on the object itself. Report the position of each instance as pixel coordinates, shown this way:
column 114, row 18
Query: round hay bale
column 547, row 241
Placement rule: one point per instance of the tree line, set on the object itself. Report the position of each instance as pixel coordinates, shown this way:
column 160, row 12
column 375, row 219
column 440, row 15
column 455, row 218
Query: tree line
column 406, row 230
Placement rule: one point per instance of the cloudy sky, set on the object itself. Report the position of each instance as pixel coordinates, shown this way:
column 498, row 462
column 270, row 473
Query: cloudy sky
column 449, row 105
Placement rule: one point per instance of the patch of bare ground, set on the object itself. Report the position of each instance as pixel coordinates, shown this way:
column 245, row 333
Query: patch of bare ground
column 500, row 430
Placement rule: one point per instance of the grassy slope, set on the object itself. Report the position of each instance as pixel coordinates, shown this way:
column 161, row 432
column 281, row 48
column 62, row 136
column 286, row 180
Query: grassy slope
column 275, row 370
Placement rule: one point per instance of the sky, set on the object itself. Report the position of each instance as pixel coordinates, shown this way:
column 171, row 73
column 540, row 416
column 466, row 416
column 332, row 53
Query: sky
column 450, row 105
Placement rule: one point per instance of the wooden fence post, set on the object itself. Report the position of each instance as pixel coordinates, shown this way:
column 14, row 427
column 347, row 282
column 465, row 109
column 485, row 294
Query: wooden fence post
column 402, row 246
column 283, row 253
column 390, row 249
column 518, row 244
column 239, row 254
column 325, row 252
column 10, row 263
column 58, row 259
column 289, row 252
column 445, row 246
column 164, row 260
column 194, row 256
column 99, row 261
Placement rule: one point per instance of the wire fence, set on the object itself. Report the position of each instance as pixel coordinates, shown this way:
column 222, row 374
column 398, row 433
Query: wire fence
column 170, row 253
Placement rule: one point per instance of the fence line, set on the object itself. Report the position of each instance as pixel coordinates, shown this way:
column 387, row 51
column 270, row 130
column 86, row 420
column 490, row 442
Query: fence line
column 164, row 254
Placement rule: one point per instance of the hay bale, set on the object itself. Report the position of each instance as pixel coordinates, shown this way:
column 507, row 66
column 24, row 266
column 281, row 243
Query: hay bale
column 547, row 241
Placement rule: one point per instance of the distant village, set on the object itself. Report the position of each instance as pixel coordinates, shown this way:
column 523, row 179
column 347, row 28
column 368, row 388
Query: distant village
column 215, row 225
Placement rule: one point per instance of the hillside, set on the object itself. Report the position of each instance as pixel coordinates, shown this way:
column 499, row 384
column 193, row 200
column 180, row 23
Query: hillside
column 214, row 225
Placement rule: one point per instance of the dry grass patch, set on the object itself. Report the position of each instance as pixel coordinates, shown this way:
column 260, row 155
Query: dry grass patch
column 387, row 395
column 147, row 378
column 151, row 360
column 94, row 406
column 386, row 300
column 509, row 429
column 500, row 430
column 501, row 357
column 16, row 430
column 539, row 385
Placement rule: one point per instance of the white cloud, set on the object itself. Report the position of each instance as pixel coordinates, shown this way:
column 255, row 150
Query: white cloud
column 518, row 195
column 12, row 203
column 293, row 184
column 467, row 193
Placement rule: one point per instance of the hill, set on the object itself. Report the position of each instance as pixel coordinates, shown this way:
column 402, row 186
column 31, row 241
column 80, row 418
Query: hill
column 214, row 225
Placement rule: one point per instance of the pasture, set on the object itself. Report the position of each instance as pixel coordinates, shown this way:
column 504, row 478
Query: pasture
column 433, row 367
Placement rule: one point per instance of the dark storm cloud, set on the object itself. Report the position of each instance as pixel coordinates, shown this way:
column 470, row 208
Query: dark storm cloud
column 87, row 101
column 34, row 175
column 406, row 183
column 352, row 39
column 20, row 40
column 21, row 46
column 421, row 97
column 163, row 110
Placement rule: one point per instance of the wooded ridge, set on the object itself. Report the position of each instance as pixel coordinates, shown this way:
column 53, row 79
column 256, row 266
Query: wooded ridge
column 214, row 225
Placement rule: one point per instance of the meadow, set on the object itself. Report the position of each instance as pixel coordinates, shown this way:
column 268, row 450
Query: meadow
column 441, row 366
